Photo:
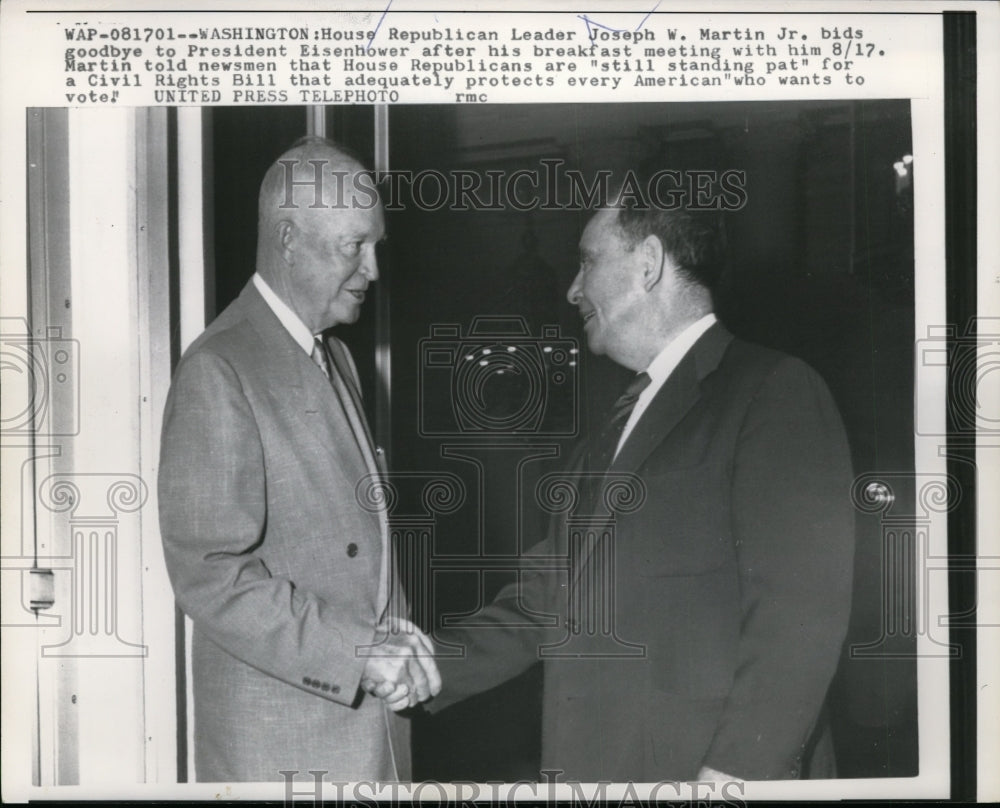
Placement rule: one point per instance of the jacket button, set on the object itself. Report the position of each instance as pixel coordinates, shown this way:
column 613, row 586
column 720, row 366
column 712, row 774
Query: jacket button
column 334, row 688
column 307, row 681
column 352, row 550
column 325, row 686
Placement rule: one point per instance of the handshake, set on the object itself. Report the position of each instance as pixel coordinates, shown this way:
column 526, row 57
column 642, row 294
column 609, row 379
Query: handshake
column 401, row 669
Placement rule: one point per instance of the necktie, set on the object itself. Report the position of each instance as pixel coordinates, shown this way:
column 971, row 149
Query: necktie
column 601, row 452
column 350, row 399
column 336, row 371
column 602, row 449
column 320, row 357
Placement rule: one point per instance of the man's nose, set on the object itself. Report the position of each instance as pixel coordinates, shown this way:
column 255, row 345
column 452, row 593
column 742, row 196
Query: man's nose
column 369, row 264
column 573, row 294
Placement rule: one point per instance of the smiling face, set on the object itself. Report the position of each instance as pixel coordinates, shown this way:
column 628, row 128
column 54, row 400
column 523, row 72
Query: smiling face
column 319, row 219
column 608, row 288
column 332, row 256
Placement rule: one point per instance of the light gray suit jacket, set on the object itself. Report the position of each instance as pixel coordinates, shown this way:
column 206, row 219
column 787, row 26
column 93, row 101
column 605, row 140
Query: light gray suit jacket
column 274, row 559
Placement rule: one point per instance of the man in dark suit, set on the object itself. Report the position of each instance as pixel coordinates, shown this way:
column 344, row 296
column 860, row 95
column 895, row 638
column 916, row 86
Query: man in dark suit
column 282, row 567
column 693, row 636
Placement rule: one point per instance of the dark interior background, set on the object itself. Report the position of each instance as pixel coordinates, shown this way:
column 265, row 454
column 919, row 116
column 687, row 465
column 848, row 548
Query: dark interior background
column 820, row 266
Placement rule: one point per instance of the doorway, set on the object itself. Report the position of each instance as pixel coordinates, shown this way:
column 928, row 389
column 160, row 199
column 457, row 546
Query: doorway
column 820, row 266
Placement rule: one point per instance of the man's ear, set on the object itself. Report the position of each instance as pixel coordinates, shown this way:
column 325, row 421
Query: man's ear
column 287, row 235
column 653, row 262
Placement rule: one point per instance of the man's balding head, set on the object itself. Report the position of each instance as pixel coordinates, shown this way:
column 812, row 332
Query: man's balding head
column 313, row 174
column 319, row 219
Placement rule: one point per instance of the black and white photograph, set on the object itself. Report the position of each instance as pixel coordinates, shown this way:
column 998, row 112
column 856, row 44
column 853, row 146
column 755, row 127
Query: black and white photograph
column 467, row 404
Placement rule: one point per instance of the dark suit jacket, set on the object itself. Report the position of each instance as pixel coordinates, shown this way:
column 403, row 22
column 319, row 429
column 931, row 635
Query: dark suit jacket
column 273, row 558
column 727, row 592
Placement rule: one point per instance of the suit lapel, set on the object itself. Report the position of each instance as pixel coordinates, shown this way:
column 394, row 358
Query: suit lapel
column 280, row 354
column 670, row 404
column 673, row 400
column 351, row 400
column 310, row 395
column 357, row 418
column 320, row 408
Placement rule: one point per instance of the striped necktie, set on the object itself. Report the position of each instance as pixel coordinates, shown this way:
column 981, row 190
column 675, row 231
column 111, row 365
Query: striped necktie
column 321, row 357
column 602, row 449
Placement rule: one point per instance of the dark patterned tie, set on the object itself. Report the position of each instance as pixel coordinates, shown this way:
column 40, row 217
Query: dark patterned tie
column 602, row 449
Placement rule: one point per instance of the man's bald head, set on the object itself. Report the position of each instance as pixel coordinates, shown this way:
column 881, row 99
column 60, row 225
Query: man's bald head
column 314, row 174
column 319, row 218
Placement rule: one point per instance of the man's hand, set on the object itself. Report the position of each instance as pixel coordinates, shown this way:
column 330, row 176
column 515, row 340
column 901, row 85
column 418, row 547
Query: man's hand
column 710, row 775
column 401, row 670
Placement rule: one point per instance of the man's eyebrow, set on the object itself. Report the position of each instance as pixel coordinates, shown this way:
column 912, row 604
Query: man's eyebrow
column 359, row 234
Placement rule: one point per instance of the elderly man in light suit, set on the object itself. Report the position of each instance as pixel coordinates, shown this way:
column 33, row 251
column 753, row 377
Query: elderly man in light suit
column 286, row 576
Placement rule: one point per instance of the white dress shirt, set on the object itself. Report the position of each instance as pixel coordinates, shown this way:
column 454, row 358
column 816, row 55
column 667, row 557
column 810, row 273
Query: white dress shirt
column 661, row 367
column 289, row 319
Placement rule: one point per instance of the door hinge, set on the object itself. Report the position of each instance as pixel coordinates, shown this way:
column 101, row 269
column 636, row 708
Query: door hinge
column 42, row 588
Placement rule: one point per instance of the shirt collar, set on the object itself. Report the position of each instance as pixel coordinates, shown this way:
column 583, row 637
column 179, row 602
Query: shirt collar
column 298, row 330
column 670, row 357
column 661, row 368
